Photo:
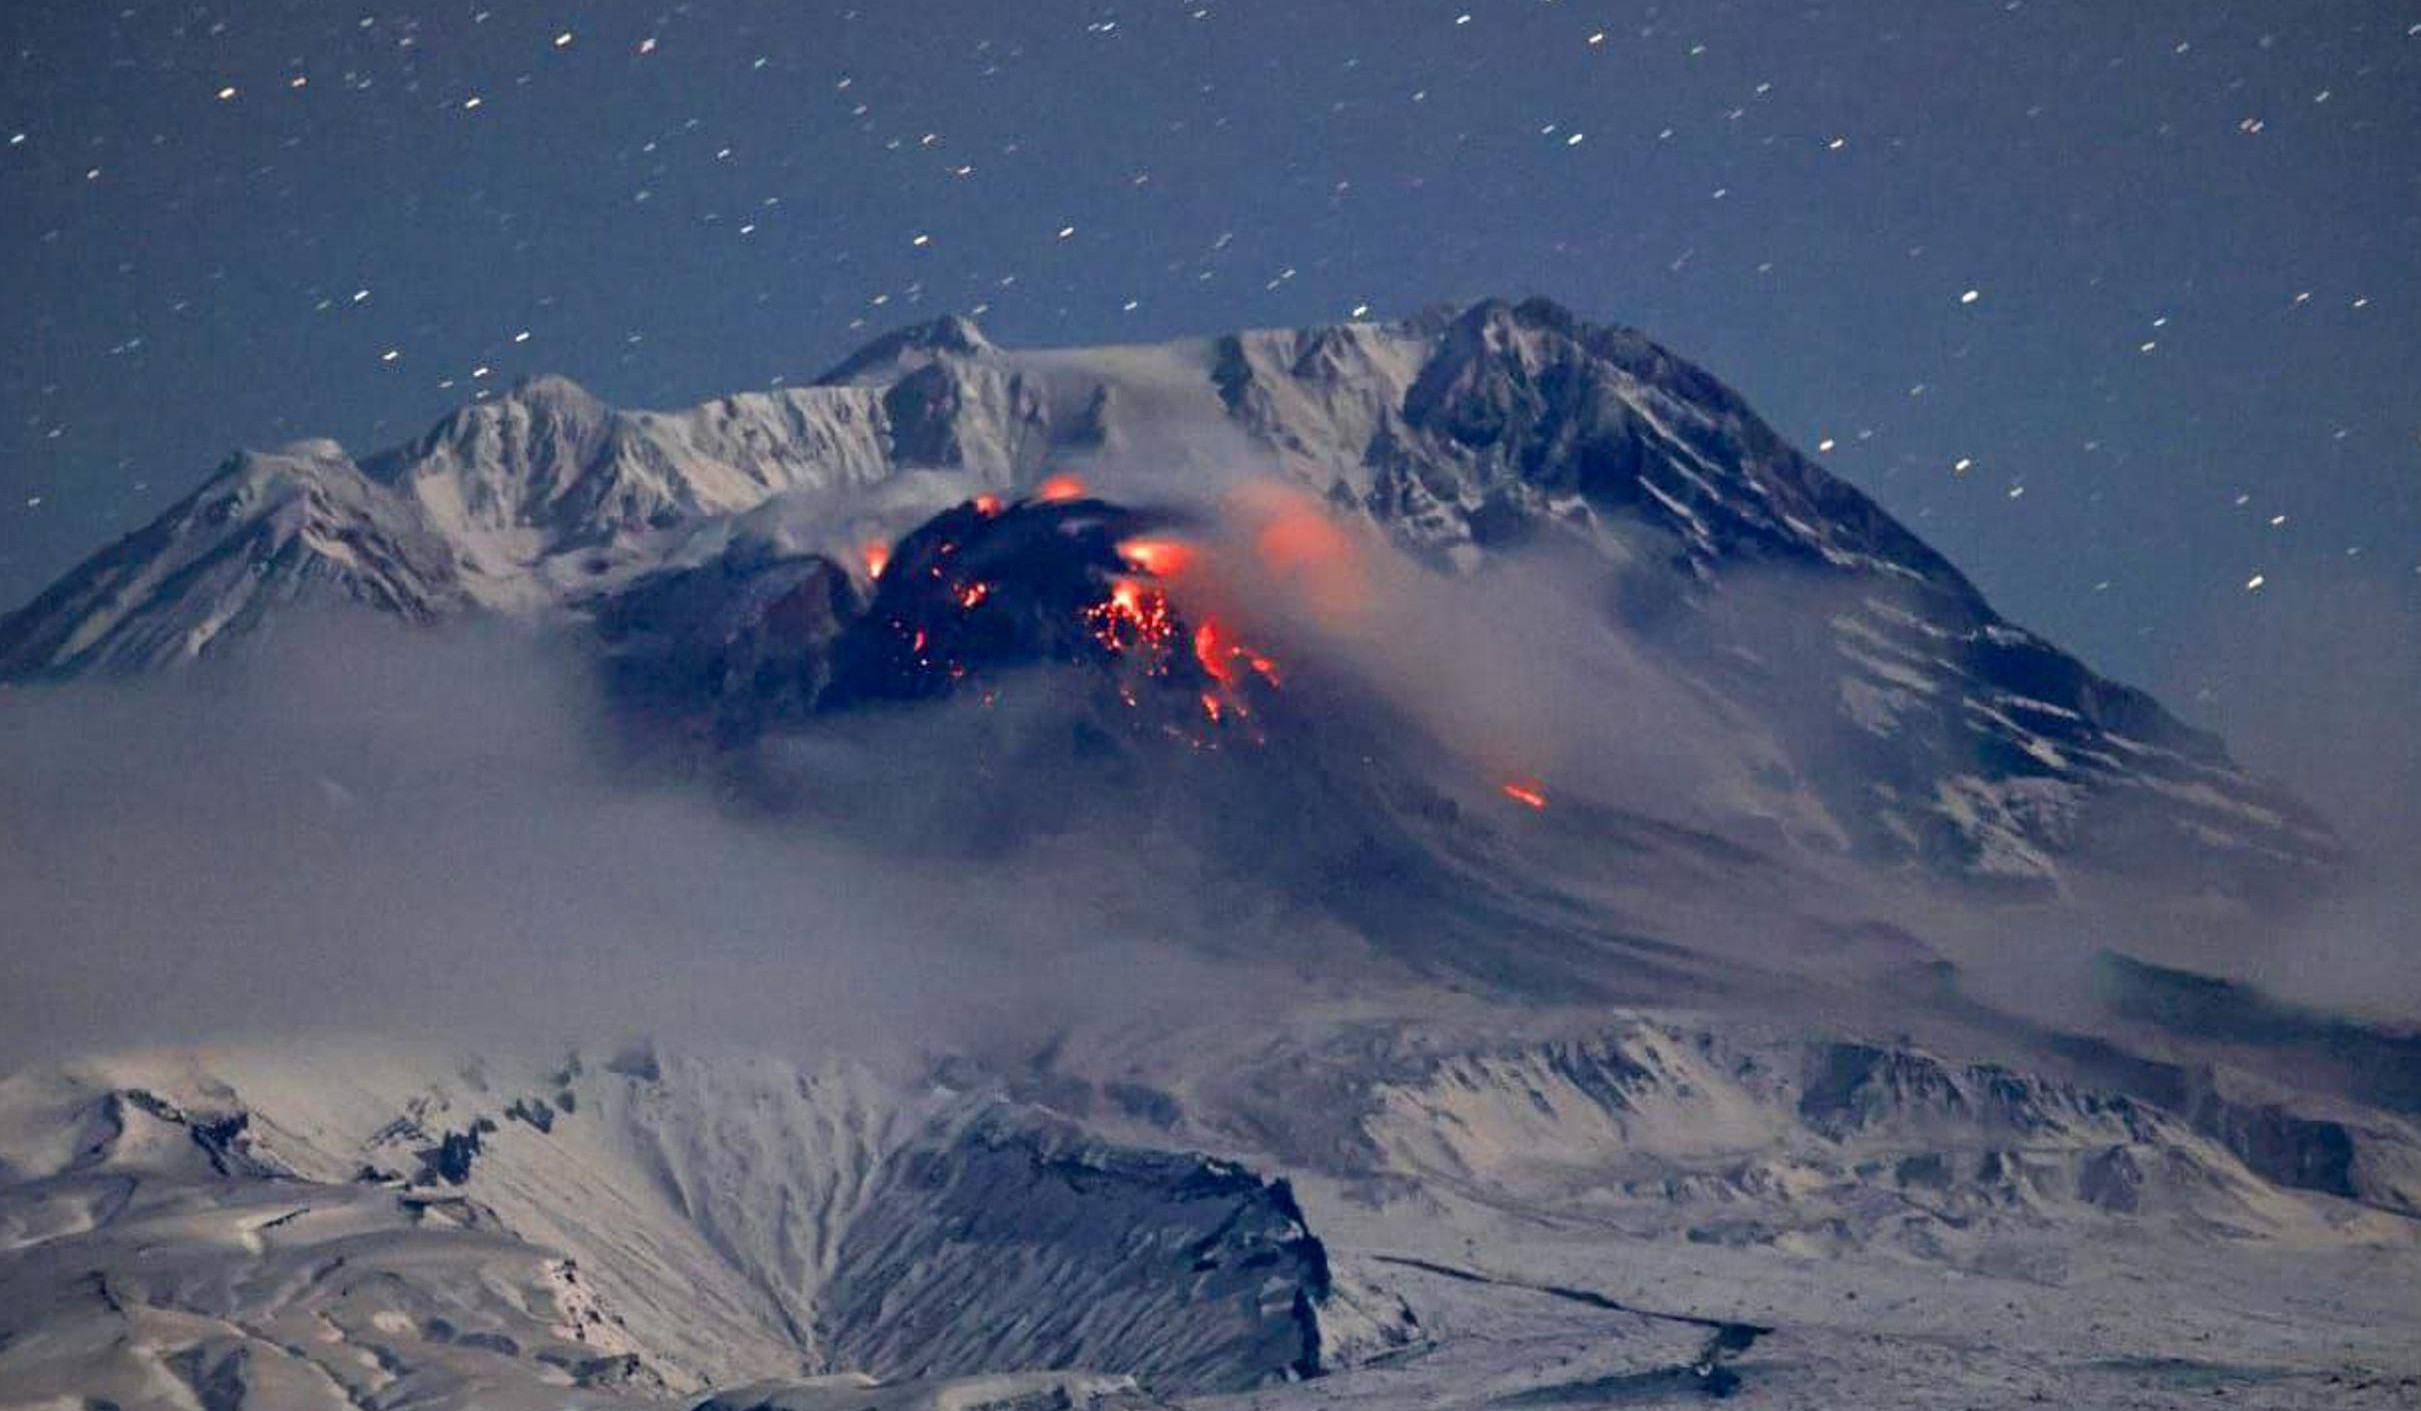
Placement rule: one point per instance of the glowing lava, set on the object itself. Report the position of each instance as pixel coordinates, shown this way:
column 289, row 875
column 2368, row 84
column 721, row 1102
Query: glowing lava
column 1216, row 656
column 1135, row 619
column 987, row 505
column 1138, row 621
column 877, row 555
column 973, row 594
column 1059, row 489
column 1528, row 792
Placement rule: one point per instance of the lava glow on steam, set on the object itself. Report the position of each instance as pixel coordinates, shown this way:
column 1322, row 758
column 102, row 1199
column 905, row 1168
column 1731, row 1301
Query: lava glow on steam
column 877, row 556
column 1059, row 489
column 1296, row 542
column 1162, row 558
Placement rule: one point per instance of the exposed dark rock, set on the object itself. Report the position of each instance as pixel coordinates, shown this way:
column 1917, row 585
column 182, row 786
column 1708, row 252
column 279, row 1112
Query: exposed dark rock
column 1233, row 1277
column 1852, row 1085
column 2301, row 1152
column 450, row 1160
column 219, row 1383
column 1144, row 1103
column 537, row 1112
column 2111, row 1179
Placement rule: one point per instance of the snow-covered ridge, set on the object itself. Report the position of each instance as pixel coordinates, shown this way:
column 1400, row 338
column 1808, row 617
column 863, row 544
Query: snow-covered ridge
column 515, row 505
column 350, row 1226
column 1453, row 427
column 281, row 527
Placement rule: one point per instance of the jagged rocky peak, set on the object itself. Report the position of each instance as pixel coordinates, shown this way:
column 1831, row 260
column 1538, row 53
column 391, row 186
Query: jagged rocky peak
column 890, row 356
column 509, row 463
column 553, row 390
column 545, row 408
column 1467, row 428
column 977, row 417
column 1537, row 406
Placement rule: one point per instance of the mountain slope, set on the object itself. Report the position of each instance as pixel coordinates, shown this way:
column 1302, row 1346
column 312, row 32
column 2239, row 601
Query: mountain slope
column 292, row 527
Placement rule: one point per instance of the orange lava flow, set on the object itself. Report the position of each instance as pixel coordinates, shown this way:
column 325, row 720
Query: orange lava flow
column 973, row 593
column 1059, row 489
column 1214, row 654
column 878, row 557
column 1226, row 663
column 987, row 505
column 1529, row 792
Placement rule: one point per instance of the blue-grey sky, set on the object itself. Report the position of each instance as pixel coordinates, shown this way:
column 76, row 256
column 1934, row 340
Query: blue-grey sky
column 2117, row 304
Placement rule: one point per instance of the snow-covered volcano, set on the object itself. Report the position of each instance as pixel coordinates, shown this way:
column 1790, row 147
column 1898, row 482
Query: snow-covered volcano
column 1436, row 863
column 1878, row 703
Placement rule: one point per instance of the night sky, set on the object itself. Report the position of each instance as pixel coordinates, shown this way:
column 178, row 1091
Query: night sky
column 2119, row 304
